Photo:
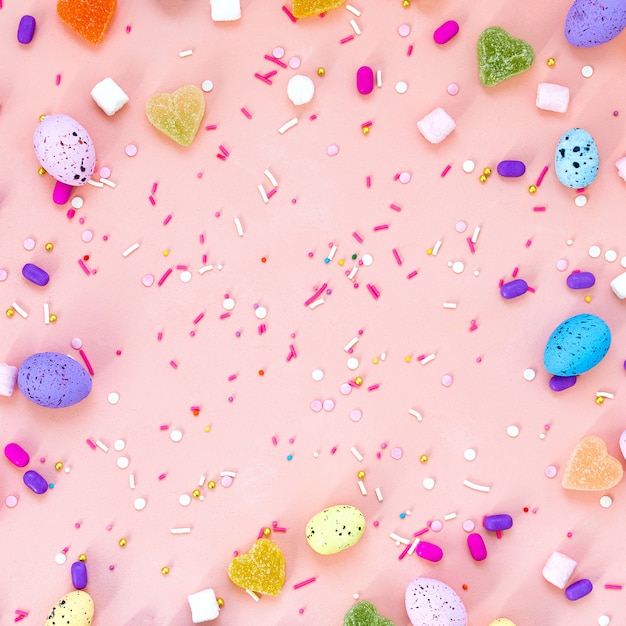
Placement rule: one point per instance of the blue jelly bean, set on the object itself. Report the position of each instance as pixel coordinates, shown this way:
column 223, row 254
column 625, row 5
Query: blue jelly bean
column 35, row 482
column 561, row 383
column 35, row 274
column 79, row 575
column 581, row 280
column 579, row 589
column 26, row 29
column 514, row 288
column 511, row 169
column 502, row 521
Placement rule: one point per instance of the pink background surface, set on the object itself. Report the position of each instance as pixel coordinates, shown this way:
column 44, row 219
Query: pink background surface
column 320, row 200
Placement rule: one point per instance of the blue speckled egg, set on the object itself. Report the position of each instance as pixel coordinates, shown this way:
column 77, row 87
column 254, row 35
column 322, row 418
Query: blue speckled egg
column 576, row 345
column 53, row 380
column 593, row 22
column 576, row 159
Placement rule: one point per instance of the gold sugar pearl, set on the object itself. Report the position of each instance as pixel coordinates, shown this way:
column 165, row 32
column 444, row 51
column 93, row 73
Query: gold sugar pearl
column 10, row 312
column 358, row 380
column 165, row 570
column 53, row 318
column 211, row 484
column 321, row 71
column 532, row 189
column 424, row 458
column 361, row 475
column 406, row 3
column 599, row 400
column 551, row 62
column 122, row 542
column 365, row 130
column 42, row 117
column 41, row 171
column 487, row 171
column 587, row 299
column 267, row 532
column 58, row 466
column 196, row 493
column 49, row 246
column 82, row 557
column 220, row 602
column 482, row 178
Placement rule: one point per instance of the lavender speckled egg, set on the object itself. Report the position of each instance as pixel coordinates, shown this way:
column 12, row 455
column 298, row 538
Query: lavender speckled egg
column 429, row 601
column 591, row 23
column 576, row 345
column 576, row 159
column 53, row 380
column 64, row 149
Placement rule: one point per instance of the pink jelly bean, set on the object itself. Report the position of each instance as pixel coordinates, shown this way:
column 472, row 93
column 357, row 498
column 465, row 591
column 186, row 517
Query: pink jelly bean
column 365, row 80
column 16, row 454
column 61, row 193
column 446, row 31
column 429, row 551
column 476, row 547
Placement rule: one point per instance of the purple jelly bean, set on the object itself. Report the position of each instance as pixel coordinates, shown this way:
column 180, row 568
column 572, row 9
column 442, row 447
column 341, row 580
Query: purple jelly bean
column 581, row 280
column 561, row 383
column 26, row 29
column 501, row 521
column 16, row 454
column 61, row 193
column 579, row 589
column 429, row 551
column 477, row 547
column 365, row 79
column 511, row 169
column 35, row 274
column 35, row 482
column 514, row 288
column 446, row 31
column 79, row 575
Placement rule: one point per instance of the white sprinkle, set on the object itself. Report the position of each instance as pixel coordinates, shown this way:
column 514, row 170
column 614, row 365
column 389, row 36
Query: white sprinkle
column 260, row 312
column 238, row 227
column 60, row 558
column 355, row 27
column 180, row 531
column 316, row 303
column 287, row 125
column 429, row 483
column 204, row 269
column 604, row 620
column 207, row 85
column 353, row 10
column 19, row 309
column 606, row 502
column 383, row 356
column 252, row 595
column 436, row 248
column 176, row 435
column 468, row 166
column 351, row 344
column 317, row 375
column 352, row 273
column 352, row 363
column 512, row 431
column 529, row 374
column 476, row 487
column 130, row 250
column 413, row 546
column 46, row 313
column 362, row 487
column 131, row 480
column 379, row 495
column 594, row 252
column 357, row 454
column 475, row 234
column 427, row 359
column 580, row 200
column 399, row 539
column 604, row 394
column 184, row 499
column 101, row 446
column 108, row 183
column 201, row 481
column 449, row 516
column 271, row 178
column 469, row 454
column 379, row 78
column 401, row 87
column 139, row 504
column 95, row 183
column 123, row 462
column 228, row 473
column 367, row 259
column 331, row 254
column 414, row 413
column 263, row 194
column 610, row 256
column 119, row 445
column 587, row 71
column 458, row 267
column 113, row 397
column 185, row 53
column 449, row 305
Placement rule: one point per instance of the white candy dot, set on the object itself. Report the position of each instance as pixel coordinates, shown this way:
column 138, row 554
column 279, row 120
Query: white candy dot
column 429, row 483
column 77, row 202
column 139, row 504
column 458, row 267
column 317, row 375
column 468, row 166
column 367, row 259
column 594, row 252
column 29, row 244
column 228, row 304
column 352, row 363
column 60, row 558
column 260, row 312
column 469, row 454
column 529, row 374
column 207, row 86
column 580, row 200
column 610, row 255
column 114, row 397
column 123, row 462
column 512, row 431
column 185, row 499
column 562, row 265
column 119, row 445
column 622, row 261
column 604, row 620
column 401, row 86
column 606, row 502
column 587, row 71
column 185, row 276
column 176, row 436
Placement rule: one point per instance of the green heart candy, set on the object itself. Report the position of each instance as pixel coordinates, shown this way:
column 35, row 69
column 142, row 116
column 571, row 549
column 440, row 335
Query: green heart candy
column 365, row 614
column 501, row 56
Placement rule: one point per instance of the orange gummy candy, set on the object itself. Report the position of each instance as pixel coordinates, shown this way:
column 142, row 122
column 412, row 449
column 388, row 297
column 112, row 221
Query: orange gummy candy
column 177, row 115
column 89, row 18
column 591, row 467
column 261, row 569
column 306, row 8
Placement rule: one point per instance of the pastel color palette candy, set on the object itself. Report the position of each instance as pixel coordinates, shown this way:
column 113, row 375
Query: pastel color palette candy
column 591, row 468
column 501, row 56
column 365, row 614
column 429, row 601
column 591, row 23
column 306, row 8
column 74, row 609
column 89, row 18
column 261, row 569
column 177, row 115
column 335, row 529
column 576, row 159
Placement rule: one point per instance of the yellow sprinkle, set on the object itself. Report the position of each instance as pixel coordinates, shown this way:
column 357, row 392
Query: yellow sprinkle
column 424, row 458
column 220, row 602
column 41, row 171
column 482, row 178
column 487, row 171
column 166, row 252
column 267, row 532
column 53, row 318
column 429, row 251
column 365, row 130
column 407, row 359
column 42, row 117
column 406, row 3
column 207, row 429
column 358, row 380
column 196, row 493
column 341, row 262
column 375, row 361
column 587, row 299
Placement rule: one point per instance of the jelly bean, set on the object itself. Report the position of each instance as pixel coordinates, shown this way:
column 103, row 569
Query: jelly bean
column 429, row 551
column 581, row 280
column 514, row 288
column 61, row 193
column 477, row 547
column 26, row 29
column 79, row 575
column 502, row 521
column 16, row 454
column 579, row 589
column 511, row 169
column 35, row 274
column 561, row 383
column 35, row 482
column 365, row 79
column 446, row 31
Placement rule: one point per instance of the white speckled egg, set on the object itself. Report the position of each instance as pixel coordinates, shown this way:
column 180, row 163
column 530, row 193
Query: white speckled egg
column 335, row 528
column 64, row 149
column 73, row 609
column 576, row 159
column 593, row 22
column 430, row 602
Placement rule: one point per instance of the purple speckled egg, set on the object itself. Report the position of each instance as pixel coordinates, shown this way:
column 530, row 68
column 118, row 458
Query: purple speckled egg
column 53, row 380
column 64, row 149
column 429, row 601
column 591, row 23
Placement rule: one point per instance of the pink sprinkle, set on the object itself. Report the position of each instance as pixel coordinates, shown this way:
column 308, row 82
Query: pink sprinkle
column 262, row 328
column 271, row 192
column 289, row 14
column 91, row 444
column 366, row 124
column 539, row 208
column 87, row 363
column 224, row 151
column 515, row 271
column 261, row 533
column 174, row 364
column 318, row 293
column 409, row 51
column 166, row 221
column 528, row 242
column 397, row 256
column 152, row 200
column 346, row 39
column 421, row 357
column 164, row 427
column 470, row 243
column 154, row 187
column 182, row 267
column 211, row 127
column 292, row 350
column 159, row 336
column 128, row 28
column 308, row 581
column 500, row 283
column 246, row 113
column 58, row 81
column 613, row 586
column 372, row 289
column 397, row 176
column 270, row 74
column 232, row 377
column 543, row 173
column 162, row 476
column 395, row 207
column 313, row 117
column 357, row 236
column 194, row 408
column 381, row 227
column 198, row 318
column 273, row 59
column 333, row 450
column 84, row 267
column 224, row 315
column 368, row 181
column 221, row 156
column 279, row 529
column 70, row 213
column 445, row 171
column 164, row 277
column 412, row 274
column 419, row 533
column 531, row 289
column 275, row 443
column 373, row 387
column 404, row 552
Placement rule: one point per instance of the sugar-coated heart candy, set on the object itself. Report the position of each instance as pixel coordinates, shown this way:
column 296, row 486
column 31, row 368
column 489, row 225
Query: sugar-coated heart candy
column 576, row 159
column 73, row 609
column 365, row 614
column 261, row 569
column 177, row 115
column 591, row 23
column 428, row 602
column 306, row 8
column 591, row 468
column 89, row 18
column 501, row 56
column 335, row 528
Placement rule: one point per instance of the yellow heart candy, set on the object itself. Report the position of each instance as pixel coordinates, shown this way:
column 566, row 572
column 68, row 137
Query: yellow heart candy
column 261, row 569
column 177, row 115
column 306, row 8
column 591, row 467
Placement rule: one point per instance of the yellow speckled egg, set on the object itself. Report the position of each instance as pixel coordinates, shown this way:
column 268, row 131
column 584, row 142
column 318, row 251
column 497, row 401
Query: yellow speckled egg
column 335, row 528
column 502, row 621
column 73, row 609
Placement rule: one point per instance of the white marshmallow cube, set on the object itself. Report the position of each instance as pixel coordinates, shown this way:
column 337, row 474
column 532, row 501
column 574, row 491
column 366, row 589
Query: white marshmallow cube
column 8, row 378
column 558, row 569
column 551, row 97
column 621, row 167
column 300, row 89
column 436, row 126
column 109, row 96
column 618, row 286
column 204, row 606
column 225, row 10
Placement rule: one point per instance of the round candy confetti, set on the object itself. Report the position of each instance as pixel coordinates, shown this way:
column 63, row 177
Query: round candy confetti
column 104, row 172
column 123, row 462
column 468, row 525
column 606, row 502
column 404, row 178
column 453, row 89
column 604, row 620
column 529, row 374
column 468, row 166
column 512, row 431
column 550, row 471
column 404, row 30
column 317, row 375
column 119, row 445
column 184, row 499
column 355, row 415
column 352, row 363
column 228, row 304
column 401, row 87
column 60, row 558
column 429, row 483
column 594, row 252
column 3, row 274
column 176, row 436
column 227, row 481
column 76, row 343
column 436, row 525
column 580, row 200
column 587, row 71
column 77, row 202
column 610, row 256
column 29, row 244
column 260, row 312
column 446, row 380
column 147, row 280
column 278, row 52
column 11, row 501
column 469, row 454
column 460, row 227
column 328, row 405
column 131, row 150
column 185, row 276
column 316, row 406
column 139, row 504
column 562, row 265
column 367, row 259
column 113, row 397
column 207, row 86
column 458, row 267
column 345, row 389
column 332, row 150
column 396, row 453
column 294, row 63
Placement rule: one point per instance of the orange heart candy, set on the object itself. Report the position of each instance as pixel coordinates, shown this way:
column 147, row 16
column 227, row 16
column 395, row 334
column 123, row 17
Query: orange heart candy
column 177, row 115
column 89, row 18
column 591, row 467
column 261, row 569
column 306, row 8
